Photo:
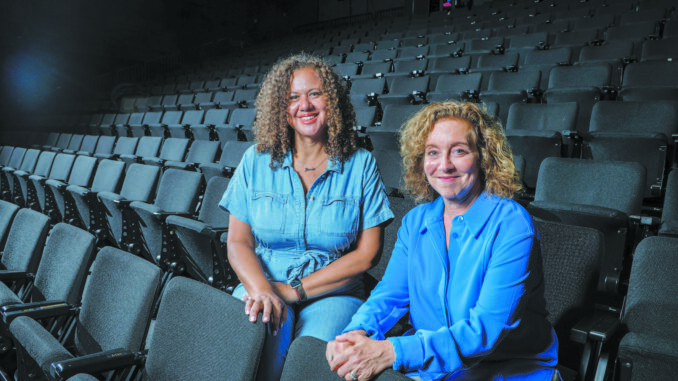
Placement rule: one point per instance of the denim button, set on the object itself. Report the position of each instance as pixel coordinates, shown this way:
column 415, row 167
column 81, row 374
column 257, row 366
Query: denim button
column 312, row 198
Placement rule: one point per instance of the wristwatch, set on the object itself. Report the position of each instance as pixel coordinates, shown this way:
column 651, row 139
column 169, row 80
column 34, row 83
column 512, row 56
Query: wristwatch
column 299, row 289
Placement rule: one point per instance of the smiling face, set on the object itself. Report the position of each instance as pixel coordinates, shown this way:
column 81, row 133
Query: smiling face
column 451, row 162
column 306, row 110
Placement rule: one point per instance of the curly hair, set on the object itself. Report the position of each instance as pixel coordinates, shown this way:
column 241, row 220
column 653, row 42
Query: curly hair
column 498, row 174
column 274, row 135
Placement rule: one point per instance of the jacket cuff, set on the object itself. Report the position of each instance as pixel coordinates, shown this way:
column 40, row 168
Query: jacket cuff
column 409, row 353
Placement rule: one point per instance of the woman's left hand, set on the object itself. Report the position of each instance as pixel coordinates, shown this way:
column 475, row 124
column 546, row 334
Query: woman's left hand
column 357, row 357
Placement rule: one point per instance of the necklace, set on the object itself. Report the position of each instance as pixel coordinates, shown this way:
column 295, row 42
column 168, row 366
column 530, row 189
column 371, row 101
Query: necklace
column 309, row 169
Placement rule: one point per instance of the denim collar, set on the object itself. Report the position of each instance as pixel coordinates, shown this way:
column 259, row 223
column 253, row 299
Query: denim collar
column 332, row 164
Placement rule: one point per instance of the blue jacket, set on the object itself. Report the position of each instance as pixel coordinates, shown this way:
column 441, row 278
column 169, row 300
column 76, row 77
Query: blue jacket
column 481, row 302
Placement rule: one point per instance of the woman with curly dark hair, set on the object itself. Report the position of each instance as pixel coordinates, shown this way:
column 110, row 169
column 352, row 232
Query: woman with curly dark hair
column 466, row 265
column 307, row 210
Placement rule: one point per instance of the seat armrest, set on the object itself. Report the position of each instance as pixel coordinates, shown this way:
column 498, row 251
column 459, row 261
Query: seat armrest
column 96, row 363
column 15, row 275
column 36, row 310
column 163, row 215
column 214, row 232
column 599, row 327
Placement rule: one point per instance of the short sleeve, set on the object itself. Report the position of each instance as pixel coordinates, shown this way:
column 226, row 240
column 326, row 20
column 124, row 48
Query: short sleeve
column 375, row 205
column 236, row 197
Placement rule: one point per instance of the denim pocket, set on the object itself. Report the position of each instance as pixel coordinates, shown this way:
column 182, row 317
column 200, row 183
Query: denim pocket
column 268, row 215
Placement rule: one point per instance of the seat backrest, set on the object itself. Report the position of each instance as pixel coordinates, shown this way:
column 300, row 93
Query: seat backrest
column 140, row 182
column 178, row 190
column 214, row 217
column 636, row 117
column 530, row 40
column 223, row 96
column 508, row 81
column 30, row 160
column 408, row 66
column 202, row 151
column 243, row 116
column 375, row 67
column 550, row 56
column 616, row 185
column 89, row 143
column 174, row 149
column 61, row 168
column 192, row 117
column 75, row 142
column 148, row 146
column 64, row 139
column 596, row 75
column 108, row 175
column 64, row 264
column 117, row 303
column 498, row 61
column 609, row 51
column 651, row 298
column 406, row 85
column 82, row 171
column 44, row 164
column 216, row 116
column 542, row 116
column 125, row 145
column 364, row 86
column 395, row 115
column 105, row 144
column 651, row 74
column 17, row 157
column 450, row 64
column 232, row 153
column 456, row 83
column 6, row 154
column 172, row 117
column 7, row 212
column 25, row 240
column 570, row 258
column 207, row 324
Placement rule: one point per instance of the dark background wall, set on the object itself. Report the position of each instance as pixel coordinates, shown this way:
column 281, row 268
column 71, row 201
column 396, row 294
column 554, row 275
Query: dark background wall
column 54, row 53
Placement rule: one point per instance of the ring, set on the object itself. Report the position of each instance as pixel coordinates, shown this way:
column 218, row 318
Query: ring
column 353, row 376
column 330, row 358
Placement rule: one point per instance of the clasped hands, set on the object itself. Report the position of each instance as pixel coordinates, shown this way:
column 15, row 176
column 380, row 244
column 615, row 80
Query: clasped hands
column 355, row 356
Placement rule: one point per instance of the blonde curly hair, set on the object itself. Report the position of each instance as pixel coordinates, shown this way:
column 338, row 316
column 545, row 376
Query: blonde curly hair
column 498, row 174
column 273, row 133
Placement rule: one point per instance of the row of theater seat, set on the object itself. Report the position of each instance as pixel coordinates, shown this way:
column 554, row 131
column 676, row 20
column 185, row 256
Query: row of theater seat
column 68, row 330
column 607, row 228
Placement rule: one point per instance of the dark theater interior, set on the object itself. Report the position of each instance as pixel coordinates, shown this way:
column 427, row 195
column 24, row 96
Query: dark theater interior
column 124, row 123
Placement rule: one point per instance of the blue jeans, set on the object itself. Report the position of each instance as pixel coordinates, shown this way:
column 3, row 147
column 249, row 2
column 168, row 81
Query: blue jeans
column 323, row 318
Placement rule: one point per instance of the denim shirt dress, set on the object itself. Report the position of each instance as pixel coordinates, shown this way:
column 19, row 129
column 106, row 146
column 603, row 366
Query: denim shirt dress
column 295, row 233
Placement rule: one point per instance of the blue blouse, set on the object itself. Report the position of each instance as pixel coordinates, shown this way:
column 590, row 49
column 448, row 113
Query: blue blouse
column 296, row 233
column 481, row 300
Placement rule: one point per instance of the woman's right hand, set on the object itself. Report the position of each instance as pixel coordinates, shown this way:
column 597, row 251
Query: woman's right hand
column 273, row 309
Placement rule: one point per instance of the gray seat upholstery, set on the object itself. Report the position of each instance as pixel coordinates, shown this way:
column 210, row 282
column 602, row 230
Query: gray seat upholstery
column 86, row 210
column 58, row 203
column 116, row 309
column 597, row 194
column 139, row 185
column 200, row 242
column 147, row 233
column 61, row 169
column 216, row 341
column 534, row 131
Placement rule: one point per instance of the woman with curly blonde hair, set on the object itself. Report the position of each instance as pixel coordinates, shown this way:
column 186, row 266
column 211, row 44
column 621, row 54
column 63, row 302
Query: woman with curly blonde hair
column 307, row 210
column 466, row 265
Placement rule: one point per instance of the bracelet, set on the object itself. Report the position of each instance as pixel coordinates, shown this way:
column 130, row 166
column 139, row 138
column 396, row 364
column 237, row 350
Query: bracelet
column 299, row 290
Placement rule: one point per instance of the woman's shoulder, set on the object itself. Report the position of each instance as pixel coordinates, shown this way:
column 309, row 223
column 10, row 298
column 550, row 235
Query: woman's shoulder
column 509, row 209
